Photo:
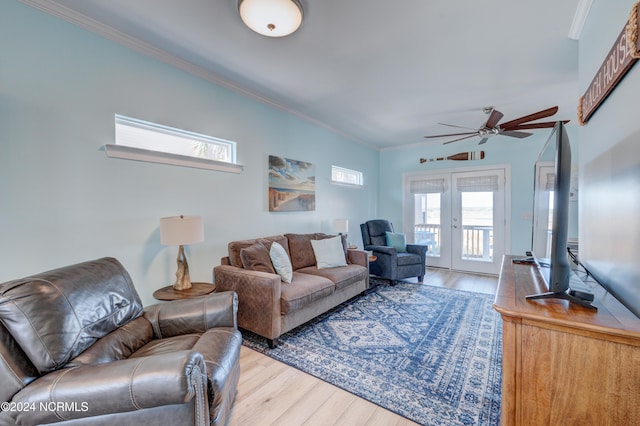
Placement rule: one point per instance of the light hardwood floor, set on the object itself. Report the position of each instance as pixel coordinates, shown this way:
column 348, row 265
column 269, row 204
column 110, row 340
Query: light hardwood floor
column 272, row 393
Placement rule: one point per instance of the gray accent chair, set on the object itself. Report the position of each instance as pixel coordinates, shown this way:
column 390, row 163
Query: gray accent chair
column 78, row 348
column 391, row 264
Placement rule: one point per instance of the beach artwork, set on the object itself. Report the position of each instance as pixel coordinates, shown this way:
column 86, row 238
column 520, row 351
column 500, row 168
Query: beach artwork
column 292, row 185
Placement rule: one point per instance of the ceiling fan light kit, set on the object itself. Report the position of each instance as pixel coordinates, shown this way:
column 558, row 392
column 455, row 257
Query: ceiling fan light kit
column 271, row 18
column 511, row 128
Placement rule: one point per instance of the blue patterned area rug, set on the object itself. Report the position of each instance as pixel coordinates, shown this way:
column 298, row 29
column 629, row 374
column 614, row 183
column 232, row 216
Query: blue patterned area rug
column 430, row 354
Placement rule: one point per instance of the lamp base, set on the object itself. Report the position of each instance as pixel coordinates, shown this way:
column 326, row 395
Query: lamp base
column 183, row 282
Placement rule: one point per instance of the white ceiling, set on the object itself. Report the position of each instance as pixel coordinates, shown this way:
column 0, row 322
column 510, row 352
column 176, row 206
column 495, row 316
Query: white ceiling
column 380, row 72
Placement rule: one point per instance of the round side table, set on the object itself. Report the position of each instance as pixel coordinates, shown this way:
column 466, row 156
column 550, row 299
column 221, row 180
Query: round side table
column 197, row 289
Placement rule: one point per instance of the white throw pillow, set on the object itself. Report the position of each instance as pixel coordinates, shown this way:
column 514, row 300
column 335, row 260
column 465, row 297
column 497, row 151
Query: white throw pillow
column 281, row 262
column 329, row 252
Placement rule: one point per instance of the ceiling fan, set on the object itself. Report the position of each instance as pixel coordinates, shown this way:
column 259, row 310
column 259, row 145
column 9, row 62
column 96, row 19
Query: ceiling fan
column 511, row 128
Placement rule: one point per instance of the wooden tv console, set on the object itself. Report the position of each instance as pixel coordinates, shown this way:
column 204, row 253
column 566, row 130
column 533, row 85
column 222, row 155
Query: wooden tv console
column 564, row 364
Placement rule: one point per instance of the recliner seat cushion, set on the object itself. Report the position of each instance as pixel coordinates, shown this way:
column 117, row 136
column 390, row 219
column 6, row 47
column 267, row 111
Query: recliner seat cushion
column 54, row 316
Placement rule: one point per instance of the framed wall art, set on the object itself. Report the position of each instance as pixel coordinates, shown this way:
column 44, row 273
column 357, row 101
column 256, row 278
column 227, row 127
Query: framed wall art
column 292, row 185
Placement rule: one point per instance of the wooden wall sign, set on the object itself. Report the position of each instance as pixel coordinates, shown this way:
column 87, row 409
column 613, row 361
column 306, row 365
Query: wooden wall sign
column 624, row 53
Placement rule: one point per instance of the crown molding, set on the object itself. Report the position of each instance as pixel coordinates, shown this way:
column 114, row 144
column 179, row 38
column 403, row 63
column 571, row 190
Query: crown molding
column 78, row 19
column 579, row 18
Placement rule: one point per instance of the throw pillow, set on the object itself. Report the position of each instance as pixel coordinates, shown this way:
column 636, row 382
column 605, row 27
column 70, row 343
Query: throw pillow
column 281, row 262
column 329, row 252
column 397, row 241
column 256, row 258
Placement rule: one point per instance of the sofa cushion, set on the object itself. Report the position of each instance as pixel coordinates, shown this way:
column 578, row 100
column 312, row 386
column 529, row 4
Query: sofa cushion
column 256, row 258
column 304, row 290
column 300, row 250
column 329, row 252
column 281, row 262
column 341, row 277
column 167, row 345
column 235, row 247
column 117, row 345
column 54, row 316
column 396, row 240
column 345, row 244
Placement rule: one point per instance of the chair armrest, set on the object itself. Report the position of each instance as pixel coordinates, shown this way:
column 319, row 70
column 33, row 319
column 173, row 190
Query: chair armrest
column 195, row 315
column 382, row 250
column 417, row 249
column 358, row 257
column 258, row 298
column 120, row 386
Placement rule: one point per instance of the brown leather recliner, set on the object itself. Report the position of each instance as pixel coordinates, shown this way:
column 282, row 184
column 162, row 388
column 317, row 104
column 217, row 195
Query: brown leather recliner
column 77, row 347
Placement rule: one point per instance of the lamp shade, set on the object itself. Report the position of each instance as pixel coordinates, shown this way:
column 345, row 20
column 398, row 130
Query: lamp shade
column 272, row 18
column 181, row 230
column 341, row 226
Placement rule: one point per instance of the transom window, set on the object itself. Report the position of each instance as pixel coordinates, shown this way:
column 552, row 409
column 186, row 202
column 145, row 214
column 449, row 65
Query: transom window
column 341, row 175
column 141, row 134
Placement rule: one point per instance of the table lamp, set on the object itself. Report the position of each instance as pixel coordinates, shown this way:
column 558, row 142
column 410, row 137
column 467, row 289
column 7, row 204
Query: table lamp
column 341, row 226
column 178, row 231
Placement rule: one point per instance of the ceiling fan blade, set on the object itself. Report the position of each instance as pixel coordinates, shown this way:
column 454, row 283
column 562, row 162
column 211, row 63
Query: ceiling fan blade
column 459, row 127
column 452, row 134
column 459, row 139
column 531, row 117
column 494, row 118
column 515, row 134
column 483, row 141
column 541, row 125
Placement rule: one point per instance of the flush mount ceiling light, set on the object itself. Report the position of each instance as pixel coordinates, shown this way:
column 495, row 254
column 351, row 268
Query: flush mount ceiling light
column 272, row 18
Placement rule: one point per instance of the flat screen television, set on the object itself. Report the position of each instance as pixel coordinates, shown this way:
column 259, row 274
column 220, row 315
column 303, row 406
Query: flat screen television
column 561, row 281
column 610, row 220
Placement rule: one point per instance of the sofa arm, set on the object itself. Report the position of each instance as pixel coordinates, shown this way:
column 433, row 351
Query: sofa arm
column 358, row 257
column 120, row 386
column 258, row 298
column 195, row 315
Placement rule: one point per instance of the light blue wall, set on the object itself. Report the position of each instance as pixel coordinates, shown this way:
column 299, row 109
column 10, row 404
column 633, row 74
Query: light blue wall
column 610, row 156
column 64, row 201
column 617, row 118
column 519, row 154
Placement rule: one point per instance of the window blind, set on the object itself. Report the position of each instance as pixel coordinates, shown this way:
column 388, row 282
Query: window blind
column 487, row 183
column 427, row 186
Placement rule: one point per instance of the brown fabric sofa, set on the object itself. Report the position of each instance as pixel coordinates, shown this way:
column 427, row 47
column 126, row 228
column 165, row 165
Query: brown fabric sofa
column 77, row 347
column 269, row 307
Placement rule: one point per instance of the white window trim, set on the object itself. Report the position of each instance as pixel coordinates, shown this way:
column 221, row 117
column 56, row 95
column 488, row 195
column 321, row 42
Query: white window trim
column 149, row 156
column 347, row 184
column 152, row 156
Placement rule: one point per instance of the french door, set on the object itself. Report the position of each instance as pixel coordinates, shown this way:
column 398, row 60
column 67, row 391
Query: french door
column 460, row 215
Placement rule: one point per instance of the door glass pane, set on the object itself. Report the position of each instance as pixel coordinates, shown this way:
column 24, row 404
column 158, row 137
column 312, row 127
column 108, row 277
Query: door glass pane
column 427, row 221
column 477, row 226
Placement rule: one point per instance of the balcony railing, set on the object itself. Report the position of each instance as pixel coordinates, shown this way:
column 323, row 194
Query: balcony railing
column 477, row 241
